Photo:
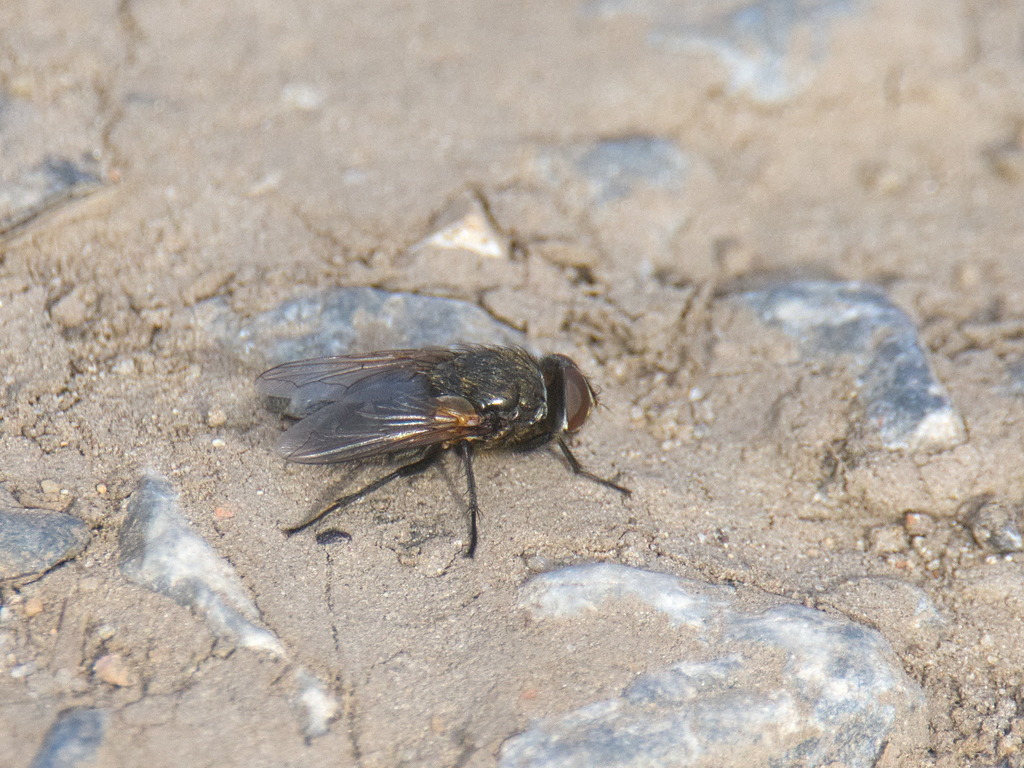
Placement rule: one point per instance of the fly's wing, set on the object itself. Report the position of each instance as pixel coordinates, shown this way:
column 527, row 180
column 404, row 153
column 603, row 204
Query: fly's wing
column 311, row 384
column 374, row 405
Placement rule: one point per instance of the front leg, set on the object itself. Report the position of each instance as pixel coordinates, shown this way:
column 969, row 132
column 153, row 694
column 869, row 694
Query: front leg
column 578, row 469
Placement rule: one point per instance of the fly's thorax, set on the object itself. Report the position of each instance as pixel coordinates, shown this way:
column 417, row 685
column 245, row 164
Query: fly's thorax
column 504, row 384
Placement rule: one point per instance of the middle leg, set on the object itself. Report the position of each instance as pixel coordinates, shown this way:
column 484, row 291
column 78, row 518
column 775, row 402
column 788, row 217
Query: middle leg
column 408, row 470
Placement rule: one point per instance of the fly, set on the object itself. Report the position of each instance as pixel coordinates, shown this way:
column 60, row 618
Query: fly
column 423, row 402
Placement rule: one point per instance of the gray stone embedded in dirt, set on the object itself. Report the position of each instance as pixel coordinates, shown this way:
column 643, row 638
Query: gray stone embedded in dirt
column 631, row 191
column 34, row 541
column 159, row 551
column 614, row 166
column 610, row 169
column 770, row 48
column 569, row 591
column 1015, row 378
column 72, row 740
column 343, row 320
column 42, row 188
column 902, row 398
column 784, row 686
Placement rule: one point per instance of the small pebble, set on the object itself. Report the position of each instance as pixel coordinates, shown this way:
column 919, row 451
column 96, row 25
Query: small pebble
column 71, row 310
column 302, row 96
column 33, row 607
column 318, row 702
column 49, row 487
column 124, row 367
column 887, row 539
column 918, row 523
column 212, row 283
column 101, row 489
column 218, row 442
column 467, row 226
column 995, row 525
column 114, row 670
column 216, row 418
column 23, row 670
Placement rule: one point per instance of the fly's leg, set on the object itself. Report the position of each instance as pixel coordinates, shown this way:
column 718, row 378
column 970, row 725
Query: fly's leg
column 420, row 465
column 466, row 452
column 578, row 469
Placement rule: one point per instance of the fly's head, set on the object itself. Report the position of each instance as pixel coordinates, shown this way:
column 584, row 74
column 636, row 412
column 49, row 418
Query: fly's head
column 570, row 396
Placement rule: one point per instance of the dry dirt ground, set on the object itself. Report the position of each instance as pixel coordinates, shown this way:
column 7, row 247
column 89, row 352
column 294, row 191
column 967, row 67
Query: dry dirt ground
column 257, row 151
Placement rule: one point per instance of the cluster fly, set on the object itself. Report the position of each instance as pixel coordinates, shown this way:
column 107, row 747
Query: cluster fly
column 421, row 402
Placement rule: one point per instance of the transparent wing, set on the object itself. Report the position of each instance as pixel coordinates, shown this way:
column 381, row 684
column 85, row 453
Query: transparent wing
column 311, row 384
column 369, row 406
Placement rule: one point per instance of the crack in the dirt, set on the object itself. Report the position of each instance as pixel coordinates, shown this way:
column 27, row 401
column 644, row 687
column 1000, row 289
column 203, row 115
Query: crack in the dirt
column 352, row 721
column 314, row 229
column 111, row 107
column 329, row 600
column 15, row 224
column 348, row 689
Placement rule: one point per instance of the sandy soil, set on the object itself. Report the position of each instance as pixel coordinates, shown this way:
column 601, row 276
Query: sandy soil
column 261, row 150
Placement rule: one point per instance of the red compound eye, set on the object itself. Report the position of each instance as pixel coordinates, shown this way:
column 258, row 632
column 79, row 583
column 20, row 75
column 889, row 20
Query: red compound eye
column 579, row 398
column 570, row 396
